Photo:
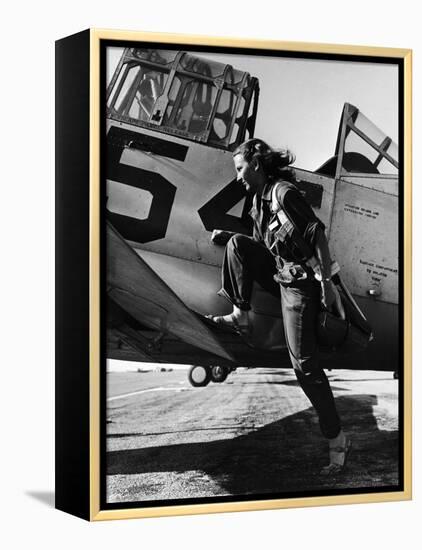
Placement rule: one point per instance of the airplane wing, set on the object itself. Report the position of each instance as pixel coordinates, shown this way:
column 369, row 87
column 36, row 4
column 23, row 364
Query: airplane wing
column 147, row 322
column 136, row 289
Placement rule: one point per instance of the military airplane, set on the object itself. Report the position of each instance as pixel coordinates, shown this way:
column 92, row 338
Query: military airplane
column 173, row 121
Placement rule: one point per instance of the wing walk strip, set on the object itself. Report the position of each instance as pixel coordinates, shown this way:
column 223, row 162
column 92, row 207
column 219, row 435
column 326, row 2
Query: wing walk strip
column 138, row 290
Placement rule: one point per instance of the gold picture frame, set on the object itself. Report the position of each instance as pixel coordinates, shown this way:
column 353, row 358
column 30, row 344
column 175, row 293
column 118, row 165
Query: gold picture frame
column 79, row 65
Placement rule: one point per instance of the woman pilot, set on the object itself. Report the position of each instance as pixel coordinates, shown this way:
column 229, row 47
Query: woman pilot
column 283, row 221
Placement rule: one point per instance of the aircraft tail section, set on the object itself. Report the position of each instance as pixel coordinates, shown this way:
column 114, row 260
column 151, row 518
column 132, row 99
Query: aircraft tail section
column 136, row 288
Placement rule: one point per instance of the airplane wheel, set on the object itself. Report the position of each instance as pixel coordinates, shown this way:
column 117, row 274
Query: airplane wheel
column 199, row 376
column 219, row 374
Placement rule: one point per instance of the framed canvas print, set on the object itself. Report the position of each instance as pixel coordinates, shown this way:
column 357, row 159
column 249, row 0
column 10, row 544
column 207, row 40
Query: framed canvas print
column 233, row 277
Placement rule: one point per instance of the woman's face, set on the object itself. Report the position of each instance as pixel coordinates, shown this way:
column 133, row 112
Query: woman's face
column 249, row 174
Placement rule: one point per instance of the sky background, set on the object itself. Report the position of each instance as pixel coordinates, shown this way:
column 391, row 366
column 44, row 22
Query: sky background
column 301, row 100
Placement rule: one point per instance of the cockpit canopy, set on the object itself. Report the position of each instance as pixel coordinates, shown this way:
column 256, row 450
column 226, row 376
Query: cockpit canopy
column 361, row 148
column 184, row 95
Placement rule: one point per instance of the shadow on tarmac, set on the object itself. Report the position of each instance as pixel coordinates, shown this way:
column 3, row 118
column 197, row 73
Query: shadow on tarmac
column 283, row 456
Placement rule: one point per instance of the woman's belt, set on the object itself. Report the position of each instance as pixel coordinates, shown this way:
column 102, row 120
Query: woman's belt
column 291, row 272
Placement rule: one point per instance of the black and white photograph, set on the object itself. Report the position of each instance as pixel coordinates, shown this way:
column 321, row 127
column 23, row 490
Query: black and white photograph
column 253, row 286
column 157, row 389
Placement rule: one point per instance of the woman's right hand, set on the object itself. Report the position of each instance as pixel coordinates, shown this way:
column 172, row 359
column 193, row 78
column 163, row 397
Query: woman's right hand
column 221, row 237
column 328, row 296
column 331, row 299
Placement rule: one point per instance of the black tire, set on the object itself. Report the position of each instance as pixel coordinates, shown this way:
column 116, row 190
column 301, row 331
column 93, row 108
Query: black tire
column 199, row 376
column 219, row 374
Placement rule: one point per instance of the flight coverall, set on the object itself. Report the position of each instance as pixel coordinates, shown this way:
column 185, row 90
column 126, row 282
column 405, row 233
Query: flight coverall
column 273, row 259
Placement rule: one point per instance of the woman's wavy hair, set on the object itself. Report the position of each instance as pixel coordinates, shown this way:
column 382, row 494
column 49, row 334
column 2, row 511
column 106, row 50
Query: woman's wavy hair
column 275, row 163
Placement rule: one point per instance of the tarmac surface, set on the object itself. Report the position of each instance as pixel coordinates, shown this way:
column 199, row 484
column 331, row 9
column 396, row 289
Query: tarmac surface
column 254, row 434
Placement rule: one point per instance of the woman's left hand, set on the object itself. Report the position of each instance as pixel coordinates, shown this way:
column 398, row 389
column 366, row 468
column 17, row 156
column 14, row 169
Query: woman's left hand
column 221, row 237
